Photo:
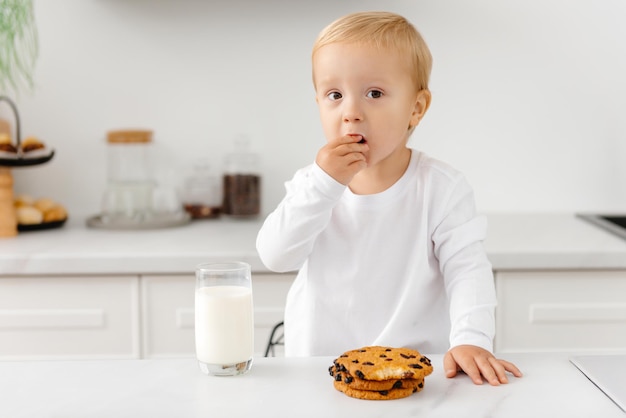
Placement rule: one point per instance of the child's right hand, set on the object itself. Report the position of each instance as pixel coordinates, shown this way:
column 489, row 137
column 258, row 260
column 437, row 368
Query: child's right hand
column 343, row 157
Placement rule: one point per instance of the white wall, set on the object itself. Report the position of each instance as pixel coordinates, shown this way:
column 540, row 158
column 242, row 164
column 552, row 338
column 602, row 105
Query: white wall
column 529, row 96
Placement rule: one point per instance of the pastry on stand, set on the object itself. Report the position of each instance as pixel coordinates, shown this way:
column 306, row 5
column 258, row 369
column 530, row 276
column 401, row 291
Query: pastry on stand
column 19, row 154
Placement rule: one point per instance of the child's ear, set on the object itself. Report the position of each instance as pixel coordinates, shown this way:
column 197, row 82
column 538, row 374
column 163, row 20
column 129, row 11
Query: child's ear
column 422, row 103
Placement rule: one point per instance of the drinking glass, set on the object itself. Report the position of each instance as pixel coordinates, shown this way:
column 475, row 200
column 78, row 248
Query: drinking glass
column 224, row 318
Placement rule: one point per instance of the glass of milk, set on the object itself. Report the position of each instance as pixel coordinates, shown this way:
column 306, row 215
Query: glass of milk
column 224, row 318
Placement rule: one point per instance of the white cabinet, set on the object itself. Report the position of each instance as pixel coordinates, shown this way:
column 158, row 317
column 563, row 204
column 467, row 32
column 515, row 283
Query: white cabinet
column 69, row 317
column 147, row 316
column 167, row 316
column 567, row 311
column 270, row 294
column 168, row 312
column 152, row 316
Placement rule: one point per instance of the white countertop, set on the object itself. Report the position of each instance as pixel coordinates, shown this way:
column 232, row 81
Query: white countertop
column 279, row 387
column 75, row 248
column 514, row 242
column 551, row 241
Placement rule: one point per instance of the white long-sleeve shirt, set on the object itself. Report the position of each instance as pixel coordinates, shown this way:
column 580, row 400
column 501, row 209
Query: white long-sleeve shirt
column 404, row 267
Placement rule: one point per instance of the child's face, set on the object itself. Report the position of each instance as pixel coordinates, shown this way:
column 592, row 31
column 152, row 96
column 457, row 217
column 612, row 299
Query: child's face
column 361, row 89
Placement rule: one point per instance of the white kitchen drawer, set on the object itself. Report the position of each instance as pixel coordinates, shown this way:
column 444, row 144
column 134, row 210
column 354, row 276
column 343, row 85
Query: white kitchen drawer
column 69, row 317
column 568, row 311
column 168, row 312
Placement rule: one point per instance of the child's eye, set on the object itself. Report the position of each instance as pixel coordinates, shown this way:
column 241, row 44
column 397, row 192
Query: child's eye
column 374, row 94
column 334, row 95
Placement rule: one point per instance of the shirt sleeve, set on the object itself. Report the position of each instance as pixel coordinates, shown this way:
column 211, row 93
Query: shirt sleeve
column 467, row 272
column 288, row 234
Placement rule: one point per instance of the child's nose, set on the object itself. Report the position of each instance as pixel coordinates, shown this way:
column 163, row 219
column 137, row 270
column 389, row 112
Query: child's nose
column 352, row 112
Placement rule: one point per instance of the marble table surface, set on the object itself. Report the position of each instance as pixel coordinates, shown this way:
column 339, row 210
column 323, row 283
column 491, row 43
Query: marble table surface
column 285, row 387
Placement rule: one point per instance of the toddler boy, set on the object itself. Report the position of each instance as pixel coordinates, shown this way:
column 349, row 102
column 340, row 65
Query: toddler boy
column 386, row 240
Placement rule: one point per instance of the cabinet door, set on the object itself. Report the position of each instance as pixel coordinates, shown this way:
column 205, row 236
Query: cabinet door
column 168, row 312
column 69, row 317
column 568, row 311
column 270, row 295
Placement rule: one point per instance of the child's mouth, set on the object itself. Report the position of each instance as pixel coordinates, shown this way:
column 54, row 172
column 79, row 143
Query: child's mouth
column 362, row 141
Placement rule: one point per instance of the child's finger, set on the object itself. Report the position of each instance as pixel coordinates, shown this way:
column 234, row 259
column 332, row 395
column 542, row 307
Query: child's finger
column 511, row 368
column 499, row 370
column 449, row 365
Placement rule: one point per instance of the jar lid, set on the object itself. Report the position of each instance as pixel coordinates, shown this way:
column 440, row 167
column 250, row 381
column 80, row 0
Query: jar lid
column 129, row 136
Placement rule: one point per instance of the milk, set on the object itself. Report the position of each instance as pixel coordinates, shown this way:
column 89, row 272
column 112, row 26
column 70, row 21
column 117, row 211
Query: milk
column 224, row 324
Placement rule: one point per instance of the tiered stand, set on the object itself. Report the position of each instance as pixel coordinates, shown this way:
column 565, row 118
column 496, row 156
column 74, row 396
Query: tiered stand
column 8, row 219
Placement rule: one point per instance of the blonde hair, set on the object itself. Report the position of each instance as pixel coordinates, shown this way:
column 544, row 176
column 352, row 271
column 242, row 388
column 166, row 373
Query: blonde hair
column 383, row 30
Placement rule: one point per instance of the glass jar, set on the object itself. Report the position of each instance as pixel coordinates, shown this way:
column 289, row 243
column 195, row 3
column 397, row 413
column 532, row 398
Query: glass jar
column 242, row 181
column 202, row 193
column 130, row 182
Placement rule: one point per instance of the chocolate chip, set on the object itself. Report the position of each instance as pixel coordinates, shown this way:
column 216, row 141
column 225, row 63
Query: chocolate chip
column 383, row 356
column 355, row 361
column 359, row 374
column 368, row 363
column 388, row 359
column 416, row 366
column 343, row 355
column 388, row 349
column 348, row 379
column 338, row 377
column 384, row 392
column 420, row 385
column 398, row 384
column 404, row 355
column 362, row 351
column 331, row 370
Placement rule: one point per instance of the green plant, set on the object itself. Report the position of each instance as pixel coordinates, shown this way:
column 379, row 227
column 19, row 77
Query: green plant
column 18, row 44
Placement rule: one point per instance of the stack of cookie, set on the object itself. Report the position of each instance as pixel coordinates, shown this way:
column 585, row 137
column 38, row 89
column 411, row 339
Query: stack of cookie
column 380, row 373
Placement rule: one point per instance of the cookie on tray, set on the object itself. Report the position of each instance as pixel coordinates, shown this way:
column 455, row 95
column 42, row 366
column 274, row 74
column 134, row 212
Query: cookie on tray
column 376, row 385
column 384, row 363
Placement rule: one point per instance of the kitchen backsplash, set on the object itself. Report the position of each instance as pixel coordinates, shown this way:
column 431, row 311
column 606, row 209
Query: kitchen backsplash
column 528, row 97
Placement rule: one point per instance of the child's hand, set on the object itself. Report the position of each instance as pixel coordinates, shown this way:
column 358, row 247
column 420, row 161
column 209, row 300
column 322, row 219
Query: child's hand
column 343, row 157
column 477, row 363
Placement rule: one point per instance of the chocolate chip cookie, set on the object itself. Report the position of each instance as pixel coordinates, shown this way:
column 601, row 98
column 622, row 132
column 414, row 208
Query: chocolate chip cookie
column 376, row 385
column 380, row 373
column 384, row 363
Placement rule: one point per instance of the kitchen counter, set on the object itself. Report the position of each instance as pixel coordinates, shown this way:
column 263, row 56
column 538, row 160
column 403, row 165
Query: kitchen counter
column 279, row 387
column 77, row 249
column 514, row 242
column 557, row 241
